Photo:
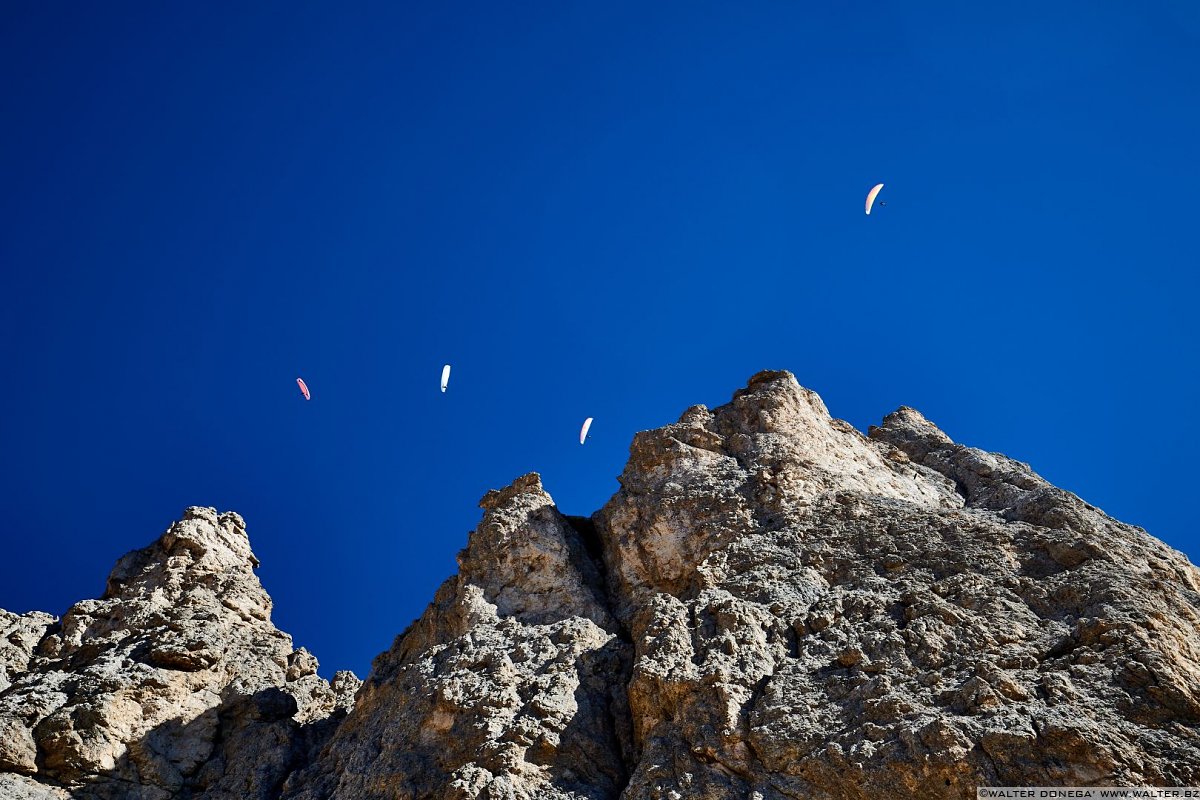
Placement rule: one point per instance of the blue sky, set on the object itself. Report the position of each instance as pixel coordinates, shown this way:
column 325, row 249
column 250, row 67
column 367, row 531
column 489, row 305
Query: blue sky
column 593, row 209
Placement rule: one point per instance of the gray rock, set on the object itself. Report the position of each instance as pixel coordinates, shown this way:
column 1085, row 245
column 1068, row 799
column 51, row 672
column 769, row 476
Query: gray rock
column 19, row 787
column 509, row 686
column 820, row 614
column 173, row 683
column 772, row 606
column 19, row 635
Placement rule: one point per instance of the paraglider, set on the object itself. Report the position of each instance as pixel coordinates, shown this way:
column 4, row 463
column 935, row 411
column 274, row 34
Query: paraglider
column 303, row 388
column 583, row 432
column 871, row 195
column 445, row 377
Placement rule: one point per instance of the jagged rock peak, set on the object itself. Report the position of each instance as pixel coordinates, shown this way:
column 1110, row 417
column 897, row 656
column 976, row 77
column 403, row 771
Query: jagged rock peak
column 508, row 686
column 761, row 461
column 820, row 614
column 774, row 423
column 529, row 561
column 202, row 552
column 530, row 483
column 173, row 683
column 773, row 606
column 780, row 388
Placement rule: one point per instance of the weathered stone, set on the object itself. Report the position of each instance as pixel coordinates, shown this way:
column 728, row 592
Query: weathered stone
column 19, row 635
column 817, row 616
column 175, row 674
column 510, row 684
column 772, row 606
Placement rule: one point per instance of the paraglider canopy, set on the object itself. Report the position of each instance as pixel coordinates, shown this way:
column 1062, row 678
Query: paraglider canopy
column 303, row 388
column 871, row 195
column 445, row 376
column 583, row 432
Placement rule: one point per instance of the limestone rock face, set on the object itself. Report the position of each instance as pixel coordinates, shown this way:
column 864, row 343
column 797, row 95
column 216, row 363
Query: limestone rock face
column 173, row 683
column 773, row 606
column 511, row 685
column 819, row 614
column 19, row 635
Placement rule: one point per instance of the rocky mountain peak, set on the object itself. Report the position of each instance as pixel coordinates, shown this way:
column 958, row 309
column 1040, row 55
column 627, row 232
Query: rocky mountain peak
column 772, row 606
column 201, row 542
column 757, row 463
column 530, row 561
column 170, row 679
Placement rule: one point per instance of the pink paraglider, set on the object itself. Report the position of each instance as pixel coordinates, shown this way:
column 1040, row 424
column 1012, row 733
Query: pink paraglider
column 303, row 388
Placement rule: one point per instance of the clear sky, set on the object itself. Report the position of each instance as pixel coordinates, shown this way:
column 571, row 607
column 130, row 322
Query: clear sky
column 613, row 210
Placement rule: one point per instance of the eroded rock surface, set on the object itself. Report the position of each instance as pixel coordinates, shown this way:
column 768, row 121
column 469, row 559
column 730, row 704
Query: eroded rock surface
column 19, row 635
column 819, row 614
column 511, row 685
column 774, row 606
column 174, row 683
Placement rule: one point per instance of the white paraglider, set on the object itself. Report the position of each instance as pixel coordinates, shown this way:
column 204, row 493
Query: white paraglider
column 871, row 195
column 445, row 377
column 583, row 432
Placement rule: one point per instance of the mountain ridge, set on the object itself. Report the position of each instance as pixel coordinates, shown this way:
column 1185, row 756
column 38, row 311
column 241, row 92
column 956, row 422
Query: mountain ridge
column 773, row 605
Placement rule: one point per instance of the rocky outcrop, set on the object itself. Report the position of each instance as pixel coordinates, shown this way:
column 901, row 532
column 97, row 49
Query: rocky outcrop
column 816, row 613
column 174, row 683
column 772, row 606
column 509, row 686
column 19, row 635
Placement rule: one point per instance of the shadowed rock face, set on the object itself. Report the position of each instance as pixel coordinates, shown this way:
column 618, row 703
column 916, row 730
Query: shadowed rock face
column 772, row 606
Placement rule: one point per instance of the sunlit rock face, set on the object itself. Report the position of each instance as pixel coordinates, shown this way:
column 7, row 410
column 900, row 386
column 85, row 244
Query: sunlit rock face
column 774, row 605
column 511, row 685
column 818, row 613
column 174, row 683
